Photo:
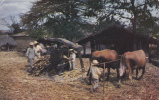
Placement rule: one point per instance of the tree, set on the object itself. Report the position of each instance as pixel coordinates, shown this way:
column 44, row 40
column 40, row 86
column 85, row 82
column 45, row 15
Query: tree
column 134, row 11
column 62, row 18
column 14, row 26
column 137, row 12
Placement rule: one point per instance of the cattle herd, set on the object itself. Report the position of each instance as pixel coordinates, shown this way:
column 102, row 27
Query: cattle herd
column 130, row 61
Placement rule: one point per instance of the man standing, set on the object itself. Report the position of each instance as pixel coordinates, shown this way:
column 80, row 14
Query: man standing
column 72, row 59
column 38, row 49
column 95, row 75
column 30, row 54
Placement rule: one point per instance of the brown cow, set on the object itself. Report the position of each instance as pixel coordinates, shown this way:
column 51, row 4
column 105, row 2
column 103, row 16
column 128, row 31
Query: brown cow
column 132, row 60
column 107, row 55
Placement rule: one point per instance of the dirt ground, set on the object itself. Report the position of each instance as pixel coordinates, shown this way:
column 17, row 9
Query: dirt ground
column 16, row 84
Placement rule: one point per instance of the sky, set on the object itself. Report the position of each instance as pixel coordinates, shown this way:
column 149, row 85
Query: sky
column 13, row 8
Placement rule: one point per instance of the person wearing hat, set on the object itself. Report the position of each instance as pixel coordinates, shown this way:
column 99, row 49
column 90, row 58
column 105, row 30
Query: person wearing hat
column 95, row 75
column 72, row 59
column 30, row 54
column 37, row 49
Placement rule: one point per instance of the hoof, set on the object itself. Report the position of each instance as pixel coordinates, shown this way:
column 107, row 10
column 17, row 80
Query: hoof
column 118, row 86
column 91, row 90
column 132, row 83
column 107, row 79
column 89, row 83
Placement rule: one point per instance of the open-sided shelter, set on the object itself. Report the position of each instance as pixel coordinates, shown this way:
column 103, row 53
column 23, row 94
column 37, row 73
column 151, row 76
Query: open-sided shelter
column 117, row 38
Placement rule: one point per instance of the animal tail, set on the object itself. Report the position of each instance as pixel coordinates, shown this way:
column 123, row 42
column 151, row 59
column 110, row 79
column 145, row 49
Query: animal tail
column 122, row 65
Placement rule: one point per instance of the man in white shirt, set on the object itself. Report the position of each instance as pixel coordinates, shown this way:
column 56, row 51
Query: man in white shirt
column 95, row 75
column 37, row 49
column 30, row 54
column 72, row 59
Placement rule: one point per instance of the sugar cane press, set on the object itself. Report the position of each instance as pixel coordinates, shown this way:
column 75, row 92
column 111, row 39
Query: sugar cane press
column 59, row 54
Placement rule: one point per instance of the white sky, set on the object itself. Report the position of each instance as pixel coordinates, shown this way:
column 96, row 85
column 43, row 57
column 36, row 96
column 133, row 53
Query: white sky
column 13, row 8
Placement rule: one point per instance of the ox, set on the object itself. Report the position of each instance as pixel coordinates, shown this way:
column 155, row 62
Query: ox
column 132, row 60
column 106, row 55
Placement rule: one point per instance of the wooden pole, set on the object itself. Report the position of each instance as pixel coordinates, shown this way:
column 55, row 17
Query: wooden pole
column 157, row 54
column 103, row 81
column 84, row 50
column 81, row 61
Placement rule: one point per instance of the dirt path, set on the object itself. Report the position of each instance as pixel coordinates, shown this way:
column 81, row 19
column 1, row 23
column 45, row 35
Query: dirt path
column 16, row 84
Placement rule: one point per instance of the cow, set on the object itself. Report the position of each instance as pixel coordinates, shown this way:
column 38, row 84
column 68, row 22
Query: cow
column 135, row 60
column 106, row 55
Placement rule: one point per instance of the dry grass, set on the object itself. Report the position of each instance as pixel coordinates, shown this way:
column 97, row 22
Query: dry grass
column 16, row 84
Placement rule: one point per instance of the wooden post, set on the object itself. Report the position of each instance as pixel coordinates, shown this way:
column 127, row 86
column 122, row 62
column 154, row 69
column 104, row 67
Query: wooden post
column 84, row 50
column 103, row 81
column 147, row 52
column 92, row 46
column 81, row 61
column 157, row 54
column 8, row 46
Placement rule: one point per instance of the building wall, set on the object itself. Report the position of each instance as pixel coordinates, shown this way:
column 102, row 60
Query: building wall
column 23, row 42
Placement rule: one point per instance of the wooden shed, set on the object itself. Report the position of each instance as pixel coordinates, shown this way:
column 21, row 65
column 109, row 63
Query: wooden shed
column 117, row 38
column 22, row 39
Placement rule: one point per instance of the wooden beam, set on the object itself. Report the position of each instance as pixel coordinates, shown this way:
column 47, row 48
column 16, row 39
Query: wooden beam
column 81, row 61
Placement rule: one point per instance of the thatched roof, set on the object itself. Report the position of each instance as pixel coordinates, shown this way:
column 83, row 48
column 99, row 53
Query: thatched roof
column 6, row 39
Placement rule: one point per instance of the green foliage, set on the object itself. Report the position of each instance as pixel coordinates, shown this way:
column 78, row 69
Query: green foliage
column 70, row 18
column 139, row 13
column 63, row 18
column 59, row 18
column 16, row 28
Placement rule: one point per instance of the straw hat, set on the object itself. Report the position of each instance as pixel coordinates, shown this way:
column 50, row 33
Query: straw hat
column 64, row 56
column 31, row 43
column 70, row 49
column 94, row 62
column 35, row 42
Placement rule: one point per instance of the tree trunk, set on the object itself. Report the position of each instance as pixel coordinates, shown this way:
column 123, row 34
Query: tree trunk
column 134, row 24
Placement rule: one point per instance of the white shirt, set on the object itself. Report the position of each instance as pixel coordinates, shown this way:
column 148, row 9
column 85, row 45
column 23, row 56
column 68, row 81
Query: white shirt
column 95, row 72
column 37, row 50
column 73, row 56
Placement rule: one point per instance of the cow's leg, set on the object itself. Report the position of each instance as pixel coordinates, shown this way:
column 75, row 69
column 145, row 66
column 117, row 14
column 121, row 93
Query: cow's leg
column 89, row 77
column 117, row 70
column 136, row 73
column 120, row 79
column 90, row 80
column 143, row 71
column 130, row 75
column 108, row 73
column 118, row 86
column 124, row 74
column 130, row 67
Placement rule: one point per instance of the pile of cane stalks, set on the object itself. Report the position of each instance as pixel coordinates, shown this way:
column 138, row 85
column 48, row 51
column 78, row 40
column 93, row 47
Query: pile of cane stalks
column 41, row 65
